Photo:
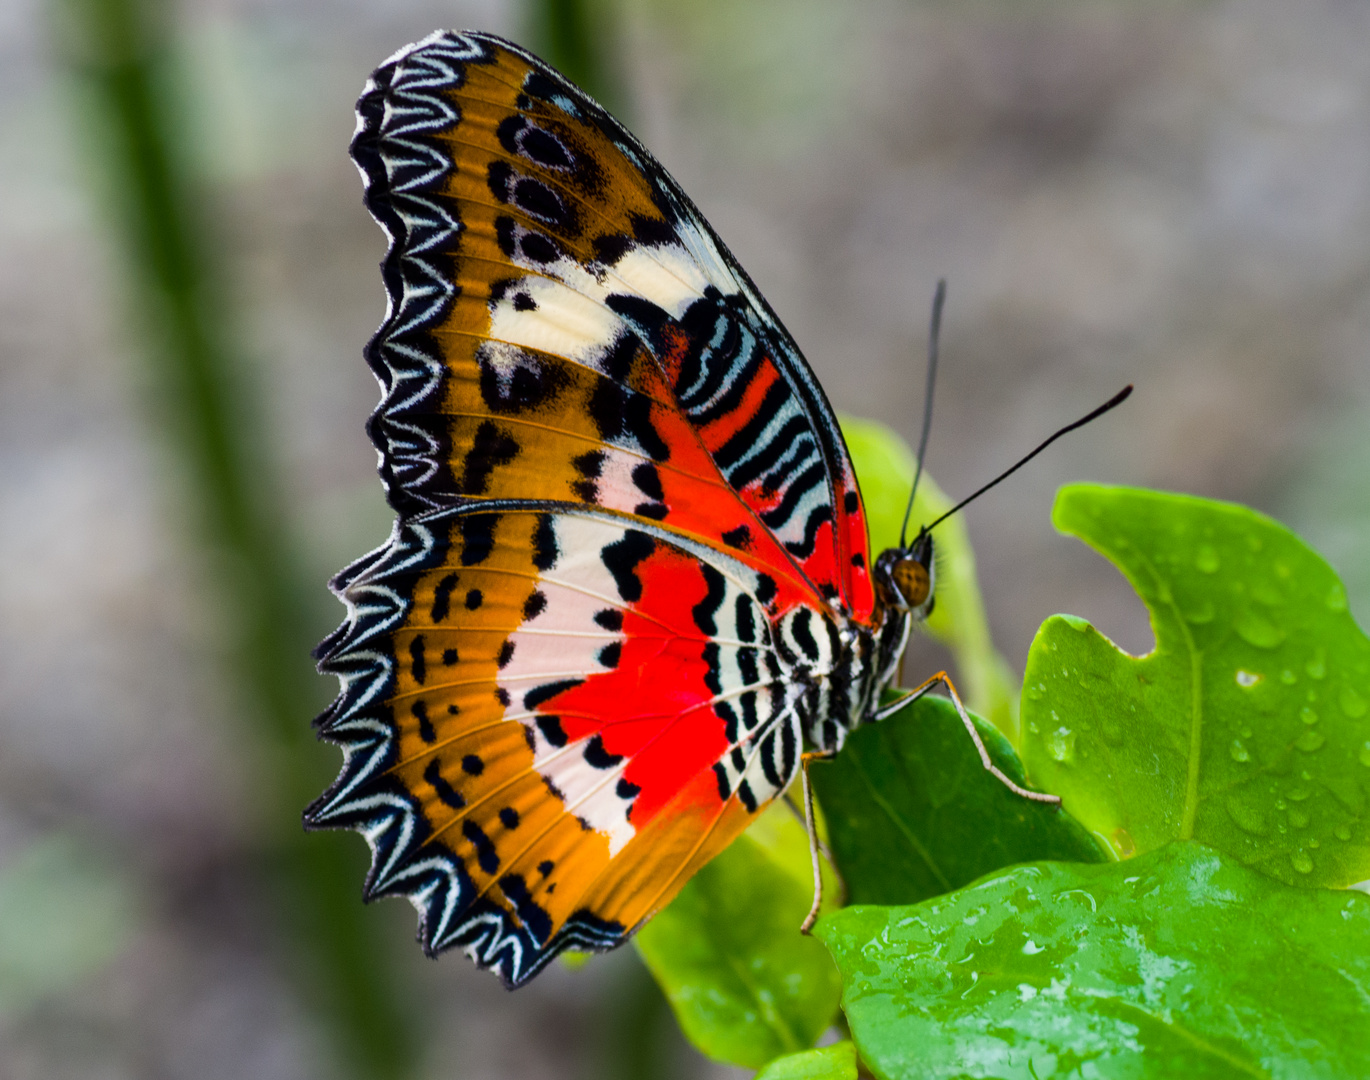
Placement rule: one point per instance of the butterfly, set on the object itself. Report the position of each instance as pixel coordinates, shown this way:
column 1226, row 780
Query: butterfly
column 630, row 577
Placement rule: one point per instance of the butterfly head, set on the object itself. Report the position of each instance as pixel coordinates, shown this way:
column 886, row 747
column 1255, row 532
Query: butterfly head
column 904, row 577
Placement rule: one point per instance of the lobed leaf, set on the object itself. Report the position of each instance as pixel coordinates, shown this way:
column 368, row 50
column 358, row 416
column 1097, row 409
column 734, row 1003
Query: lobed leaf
column 912, row 813
column 1181, row 962
column 1245, row 728
column 746, row 986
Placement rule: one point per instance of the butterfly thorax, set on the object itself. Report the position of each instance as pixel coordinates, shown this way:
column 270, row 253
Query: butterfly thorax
column 837, row 679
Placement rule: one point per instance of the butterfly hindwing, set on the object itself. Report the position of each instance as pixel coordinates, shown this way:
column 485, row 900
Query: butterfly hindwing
column 552, row 717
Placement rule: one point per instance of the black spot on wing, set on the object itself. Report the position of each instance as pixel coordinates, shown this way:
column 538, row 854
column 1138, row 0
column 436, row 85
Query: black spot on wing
column 765, row 590
column 744, row 615
column 477, row 537
column 619, row 413
column 705, row 611
column 442, row 597
column 419, row 710
column 802, row 629
column 417, row 668
column 509, row 817
column 535, row 605
column 544, row 543
column 472, row 764
column 486, row 856
column 541, row 694
column 596, row 755
column 450, row 657
column 446, row 793
column 648, row 481
column 721, row 775
column 611, row 654
column 610, row 619
column 621, row 559
column 551, row 729
column 513, row 381
column 474, row 598
column 739, row 538
column 506, row 654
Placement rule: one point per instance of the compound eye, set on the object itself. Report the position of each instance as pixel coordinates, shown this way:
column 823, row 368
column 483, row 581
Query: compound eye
column 911, row 579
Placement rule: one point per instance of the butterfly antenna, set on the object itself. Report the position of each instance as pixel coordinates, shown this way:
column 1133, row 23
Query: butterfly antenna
column 934, row 332
column 1116, row 400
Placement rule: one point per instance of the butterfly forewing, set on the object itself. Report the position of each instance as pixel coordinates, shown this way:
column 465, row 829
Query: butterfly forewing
column 587, row 336
column 628, row 526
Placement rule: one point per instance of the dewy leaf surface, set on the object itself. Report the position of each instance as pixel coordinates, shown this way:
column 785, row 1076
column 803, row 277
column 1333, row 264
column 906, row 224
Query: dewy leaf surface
column 745, row 984
column 911, row 812
column 1180, row 963
column 884, row 468
column 1246, row 728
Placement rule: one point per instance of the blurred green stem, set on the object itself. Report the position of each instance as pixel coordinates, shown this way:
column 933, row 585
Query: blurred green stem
column 120, row 56
column 570, row 35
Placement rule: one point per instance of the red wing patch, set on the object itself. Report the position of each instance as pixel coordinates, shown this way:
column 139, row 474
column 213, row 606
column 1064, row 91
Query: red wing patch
column 562, row 689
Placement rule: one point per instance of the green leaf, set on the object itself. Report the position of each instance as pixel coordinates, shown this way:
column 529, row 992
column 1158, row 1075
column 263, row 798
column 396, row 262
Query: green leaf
column 1178, row 963
column 912, row 813
column 835, row 1062
column 745, row 984
column 1246, row 728
column 884, row 468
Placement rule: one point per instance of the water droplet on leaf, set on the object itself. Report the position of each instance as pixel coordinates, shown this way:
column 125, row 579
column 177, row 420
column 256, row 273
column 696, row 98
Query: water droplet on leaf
column 1248, row 678
column 1352, row 704
column 1308, row 716
column 1255, row 629
column 1288, row 677
column 1247, row 816
column 1309, row 741
column 1336, row 597
column 1206, row 559
column 1341, row 832
column 1061, row 745
column 1238, row 751
column 1302, row 862
column 1298, row 819
column 1202, row 614
column 1317, row 667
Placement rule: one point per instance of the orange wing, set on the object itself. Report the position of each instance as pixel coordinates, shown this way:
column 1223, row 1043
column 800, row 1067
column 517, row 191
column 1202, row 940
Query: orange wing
column 564, row 325
column 574, row 713
column 628, row 525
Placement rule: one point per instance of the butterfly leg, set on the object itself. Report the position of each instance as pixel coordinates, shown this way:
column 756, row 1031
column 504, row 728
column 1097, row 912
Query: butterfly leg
column 945, row 680
column 804, row 760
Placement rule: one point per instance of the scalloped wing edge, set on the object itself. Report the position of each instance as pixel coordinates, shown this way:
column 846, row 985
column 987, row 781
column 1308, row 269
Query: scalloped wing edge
column 386, row 816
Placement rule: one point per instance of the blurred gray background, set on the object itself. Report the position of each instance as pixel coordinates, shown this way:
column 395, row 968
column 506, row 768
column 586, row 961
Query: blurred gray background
column 1175, row 195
